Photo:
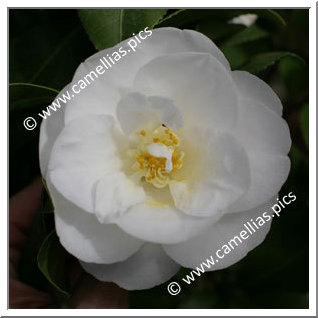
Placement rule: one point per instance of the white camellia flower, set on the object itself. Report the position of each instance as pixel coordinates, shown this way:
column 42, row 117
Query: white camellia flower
column 163, row 159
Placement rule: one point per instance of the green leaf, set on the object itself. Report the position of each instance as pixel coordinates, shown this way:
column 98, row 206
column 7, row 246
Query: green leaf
column 108, row 27
column 236, row 56
column 252, row 33
column 295, row 76
column 46, row 46
column 25, row 100
column 262, row 61
column 273, row 16
column 217, row 30
column 182, row 18
column 51, row 262
column 268, row 16
column 27, row 95
column 304, row 120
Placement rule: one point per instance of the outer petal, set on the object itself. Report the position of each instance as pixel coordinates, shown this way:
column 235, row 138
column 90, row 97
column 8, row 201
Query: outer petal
column 195, row 251
column 50, row 129
column 138, row 111
column 86, row 167
column 97, row 98
column 199, row 85
column 161, row 42
column 87, row 239
column 267, row 149
column 268, row 174
column 172, row 40
column 120, row 76
column 270, row 133
column 147, row 268
column 160, row 222
column 250, row 86
column 215, row 173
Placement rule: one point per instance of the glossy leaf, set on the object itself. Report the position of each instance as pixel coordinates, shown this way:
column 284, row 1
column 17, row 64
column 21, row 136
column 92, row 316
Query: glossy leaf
column 236, row 55
column 252, row 33
column 183, row 17
column 292, row 70
column 51, row 262
column 108, row 27
column 46, row 46
column 217, row 30
column 25, row 100
column 262, row 61
column 27, row 96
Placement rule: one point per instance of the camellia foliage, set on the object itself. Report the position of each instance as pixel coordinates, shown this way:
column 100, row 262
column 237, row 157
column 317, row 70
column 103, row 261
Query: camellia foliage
column 47, row 46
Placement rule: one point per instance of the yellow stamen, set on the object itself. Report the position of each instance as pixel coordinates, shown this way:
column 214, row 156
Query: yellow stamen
column 140, row 160
column 150, row 165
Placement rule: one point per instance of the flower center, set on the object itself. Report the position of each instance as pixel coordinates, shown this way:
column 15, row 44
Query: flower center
column 157, row 155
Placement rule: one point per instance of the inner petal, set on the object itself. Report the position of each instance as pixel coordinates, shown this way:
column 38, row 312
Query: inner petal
column 136, row 111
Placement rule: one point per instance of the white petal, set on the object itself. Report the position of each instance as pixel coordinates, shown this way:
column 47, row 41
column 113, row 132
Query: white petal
column 162, row 41
column 265, row 136
column 268, row 173
column 136, row 111
column 86, row 167
column 50, row 129
column 198, row 84
column 96, row 98
column 149, row 267
column 84, row 237
column 120, row 75
column 168, row 113
column 171, row 40
column 261, row 129
column 114, row 194
column 215, row 173
column 250, row 86
column 195, row 251
column 207, row 46
column 160, row 222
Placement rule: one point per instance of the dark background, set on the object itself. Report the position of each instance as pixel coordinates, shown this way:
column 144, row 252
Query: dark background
column 45, row 48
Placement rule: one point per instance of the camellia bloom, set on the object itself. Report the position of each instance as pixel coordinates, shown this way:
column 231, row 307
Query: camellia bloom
column 162, row 160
